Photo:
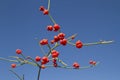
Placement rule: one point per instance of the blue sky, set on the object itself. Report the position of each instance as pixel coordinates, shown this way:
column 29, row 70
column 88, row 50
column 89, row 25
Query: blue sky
column 93, row 20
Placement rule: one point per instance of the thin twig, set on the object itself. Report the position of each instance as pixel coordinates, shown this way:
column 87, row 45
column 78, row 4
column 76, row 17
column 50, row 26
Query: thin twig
column 56, row 45
column 23, row 56
column 69, row 38
column 8, row 60
column 35, row 62
column 50, row 50
column 16, row 74
column 48, row 5
column 62, row 62
column 23, row 77
column 42, row 49
column 39, row 73
column 51, row 18
column 97, row 43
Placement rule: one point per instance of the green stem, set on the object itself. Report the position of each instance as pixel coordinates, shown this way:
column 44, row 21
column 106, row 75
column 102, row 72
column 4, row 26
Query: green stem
column 70, row 43
column 51, row 18
column 56, row 45
column 16, row 74
column 48, row 5
column 42, row 49
column 23, row 77
column 69, row 67
column 35, row 62
column 23, row 56
column 69, row 38
column 86, row 67
column 31, row 63
column 50, row 49
column 61, row 62
column 8, row 60
column 96, row 43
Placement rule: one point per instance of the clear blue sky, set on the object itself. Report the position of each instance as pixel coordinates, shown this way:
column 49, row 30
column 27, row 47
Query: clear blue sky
column 92, row 20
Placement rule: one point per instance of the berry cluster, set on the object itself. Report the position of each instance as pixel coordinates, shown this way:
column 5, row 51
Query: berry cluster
column 52, row 55
column 58, row 40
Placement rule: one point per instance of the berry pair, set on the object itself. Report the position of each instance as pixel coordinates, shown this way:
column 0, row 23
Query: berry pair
column 54, row 62
column 44, row 41
column 43, row 60
column 56, row 27
column 45, row 11
column 92, row 62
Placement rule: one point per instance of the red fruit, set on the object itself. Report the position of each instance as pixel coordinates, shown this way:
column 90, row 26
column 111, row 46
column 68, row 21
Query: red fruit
column 37, row 58
column 72, row 37
column 61, row 36
column 56, row 27
column 94, row 63
column 43, row 66
column 55, row 54
column 63, row 42
column 49, row 28
column 52, row 41
column 45, row 12
column 41, row 8
column 45, row 59
column 55, row 65
column 79, row 44
column 56, row 38
column 43, row 62
column 54, row 60
column 18, row 51
column 13, row 65
column 44, row 42
column 76, row 65
column 91, row 62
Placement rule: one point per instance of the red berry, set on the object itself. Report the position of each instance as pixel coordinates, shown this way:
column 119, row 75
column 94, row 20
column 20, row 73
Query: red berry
column 43, row 62
column 54, row 60
column 45, row 59
column 45, row 12
column 43, row 66
column 52, row 41
column 76, row 65
column 55, row 54
column 13, row 65
column 61, row 36
column 56, row 27
column 41, row 8
column 72, row 37
column 37, row 58
column 94, row 63
column 44, row 42
column 79, row 44
column 55, row 65
column 18, row 51
column 49, row 28
column 56, row 38
column 63, row 42
column 91, row 62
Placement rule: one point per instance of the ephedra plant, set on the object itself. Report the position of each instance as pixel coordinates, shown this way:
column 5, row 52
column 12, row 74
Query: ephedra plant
column 51, row 57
